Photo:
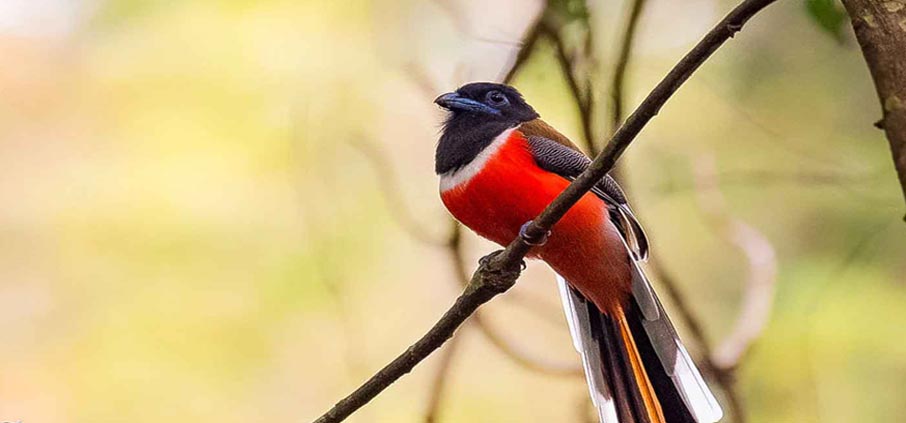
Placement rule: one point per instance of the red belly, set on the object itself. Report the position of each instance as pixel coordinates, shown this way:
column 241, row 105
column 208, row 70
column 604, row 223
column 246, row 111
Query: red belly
column 584, row 247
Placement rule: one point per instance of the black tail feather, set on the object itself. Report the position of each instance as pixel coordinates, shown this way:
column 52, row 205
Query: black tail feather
column 629, row 406
column 624, row 382
column 672, row 405
column 637, row 368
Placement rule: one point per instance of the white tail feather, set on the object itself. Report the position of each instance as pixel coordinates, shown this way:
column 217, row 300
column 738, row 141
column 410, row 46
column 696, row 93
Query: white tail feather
column 580, row 329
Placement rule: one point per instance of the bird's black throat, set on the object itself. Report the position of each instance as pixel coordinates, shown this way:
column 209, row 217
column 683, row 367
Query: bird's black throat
column 464, row 136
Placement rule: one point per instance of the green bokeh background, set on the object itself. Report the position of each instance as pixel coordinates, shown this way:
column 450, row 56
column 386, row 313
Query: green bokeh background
column 191, row 231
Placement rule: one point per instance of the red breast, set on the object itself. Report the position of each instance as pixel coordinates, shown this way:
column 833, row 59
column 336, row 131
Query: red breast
column 503, row 187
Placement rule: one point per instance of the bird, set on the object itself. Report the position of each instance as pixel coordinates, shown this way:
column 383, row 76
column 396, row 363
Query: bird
column 499, row 166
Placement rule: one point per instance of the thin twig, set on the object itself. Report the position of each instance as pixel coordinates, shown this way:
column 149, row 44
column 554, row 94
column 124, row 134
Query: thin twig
column 454, row 248
column 528, row 46
column 758, row 178
column 498, row 271
column 582, row 97
column 682, row 308
column 439, row 383
column 696, row 330
column 391, row 192
column 722, row 362
column 758, row 296
column 522, row 358
column 454, row 243
column 617, row 84
column 462, row 24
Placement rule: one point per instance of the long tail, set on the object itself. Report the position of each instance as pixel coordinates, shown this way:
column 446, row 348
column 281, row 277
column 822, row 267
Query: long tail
column 637, row 368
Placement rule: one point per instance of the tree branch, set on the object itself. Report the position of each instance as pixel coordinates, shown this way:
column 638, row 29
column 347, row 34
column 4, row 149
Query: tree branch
column 498, row 271
column 880, row 27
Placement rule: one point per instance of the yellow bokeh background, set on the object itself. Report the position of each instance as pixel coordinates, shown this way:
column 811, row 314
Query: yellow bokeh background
column 193, row 230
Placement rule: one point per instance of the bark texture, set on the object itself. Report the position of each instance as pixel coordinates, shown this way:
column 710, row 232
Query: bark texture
column 880, row 27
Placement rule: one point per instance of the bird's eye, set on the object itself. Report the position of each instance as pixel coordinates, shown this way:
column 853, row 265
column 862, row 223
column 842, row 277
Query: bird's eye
column 496, row 99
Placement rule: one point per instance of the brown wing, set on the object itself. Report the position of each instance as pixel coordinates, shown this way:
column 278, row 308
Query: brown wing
column 556, row 153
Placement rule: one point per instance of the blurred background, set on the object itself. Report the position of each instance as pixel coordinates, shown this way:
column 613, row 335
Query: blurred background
column 226, row 210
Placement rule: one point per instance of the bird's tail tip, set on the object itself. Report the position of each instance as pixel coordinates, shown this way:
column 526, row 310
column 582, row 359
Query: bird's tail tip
column 638, row 370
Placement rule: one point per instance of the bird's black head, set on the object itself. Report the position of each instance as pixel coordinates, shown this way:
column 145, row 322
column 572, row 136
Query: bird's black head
column 478, row 113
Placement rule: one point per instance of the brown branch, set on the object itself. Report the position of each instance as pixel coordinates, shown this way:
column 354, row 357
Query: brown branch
column 498, row 271
column 880, row 27
column 486, row 284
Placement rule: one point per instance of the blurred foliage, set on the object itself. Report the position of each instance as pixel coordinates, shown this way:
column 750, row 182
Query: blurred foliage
column 188, row 234
column 570, row 10
column 829, row 16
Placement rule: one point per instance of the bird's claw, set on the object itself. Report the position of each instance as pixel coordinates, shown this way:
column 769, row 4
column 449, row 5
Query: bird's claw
column 535, row 241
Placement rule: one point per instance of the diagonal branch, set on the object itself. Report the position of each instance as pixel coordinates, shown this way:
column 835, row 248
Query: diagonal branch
column 498, row 272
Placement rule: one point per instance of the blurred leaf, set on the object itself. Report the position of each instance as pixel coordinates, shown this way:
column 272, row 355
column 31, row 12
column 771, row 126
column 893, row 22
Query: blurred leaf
column 570, row 10
column 828, row 15
column 113, row 13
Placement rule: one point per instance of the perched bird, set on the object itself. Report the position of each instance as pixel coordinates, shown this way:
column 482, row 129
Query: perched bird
column 499, row 166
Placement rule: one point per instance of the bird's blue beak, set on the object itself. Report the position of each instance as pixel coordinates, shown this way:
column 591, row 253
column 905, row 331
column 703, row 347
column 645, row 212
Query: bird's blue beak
column 453, row 102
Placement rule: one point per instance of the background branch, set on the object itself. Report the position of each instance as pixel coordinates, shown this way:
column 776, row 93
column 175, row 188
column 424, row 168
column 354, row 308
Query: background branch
column 438, row 383
column 761, row 278
column 581, row 96
column 618, row 82
column 391, row 192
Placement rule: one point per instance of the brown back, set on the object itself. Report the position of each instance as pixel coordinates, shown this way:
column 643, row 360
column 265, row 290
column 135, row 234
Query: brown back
column 540, row 128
